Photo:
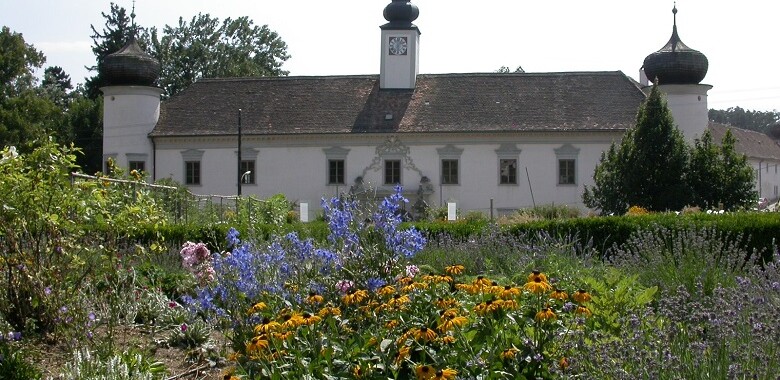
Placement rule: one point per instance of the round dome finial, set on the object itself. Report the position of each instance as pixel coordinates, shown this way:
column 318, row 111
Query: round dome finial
column 401, row 12
column 130, row 66
column 676, row 63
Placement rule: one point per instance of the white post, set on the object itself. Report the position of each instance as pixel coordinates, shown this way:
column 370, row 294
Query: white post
column 304, row 212
column 451, row 211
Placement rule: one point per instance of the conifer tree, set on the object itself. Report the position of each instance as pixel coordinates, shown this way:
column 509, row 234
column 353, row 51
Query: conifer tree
column 648, row 168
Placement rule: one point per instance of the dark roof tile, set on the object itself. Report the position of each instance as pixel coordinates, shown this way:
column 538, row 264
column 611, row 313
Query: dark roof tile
column 489, row 102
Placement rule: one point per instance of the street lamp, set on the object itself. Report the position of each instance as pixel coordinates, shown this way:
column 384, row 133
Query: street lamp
column 239, row 152
column 245, row 176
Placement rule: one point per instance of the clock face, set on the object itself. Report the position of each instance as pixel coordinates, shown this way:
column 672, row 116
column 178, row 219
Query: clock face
column 397, row 45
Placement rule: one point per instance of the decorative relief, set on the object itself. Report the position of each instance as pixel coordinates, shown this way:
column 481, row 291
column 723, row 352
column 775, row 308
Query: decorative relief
column 392, row 148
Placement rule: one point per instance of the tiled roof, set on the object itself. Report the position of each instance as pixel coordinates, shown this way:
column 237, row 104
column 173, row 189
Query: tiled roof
column 573, row 101
column 751, row 143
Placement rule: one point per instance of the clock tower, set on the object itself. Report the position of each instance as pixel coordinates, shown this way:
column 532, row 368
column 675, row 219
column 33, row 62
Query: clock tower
column 400, row 46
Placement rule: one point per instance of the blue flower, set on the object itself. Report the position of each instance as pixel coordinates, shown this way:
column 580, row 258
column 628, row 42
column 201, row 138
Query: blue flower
column 375, row 283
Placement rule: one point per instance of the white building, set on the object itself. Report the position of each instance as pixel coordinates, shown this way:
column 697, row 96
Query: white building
column 510, row 140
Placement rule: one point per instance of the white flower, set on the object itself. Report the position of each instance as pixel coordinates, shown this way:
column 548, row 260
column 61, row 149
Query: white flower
column 9, row 154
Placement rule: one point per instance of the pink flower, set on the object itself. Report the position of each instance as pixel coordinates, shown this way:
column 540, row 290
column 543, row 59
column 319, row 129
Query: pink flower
column 183, row 327
column 344, row 285
column 412, row 270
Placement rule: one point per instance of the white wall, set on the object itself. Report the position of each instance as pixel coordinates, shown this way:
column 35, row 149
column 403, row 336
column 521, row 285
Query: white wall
column 688, row 104
column 129, row 114
column 297, row 166
column 767, row 174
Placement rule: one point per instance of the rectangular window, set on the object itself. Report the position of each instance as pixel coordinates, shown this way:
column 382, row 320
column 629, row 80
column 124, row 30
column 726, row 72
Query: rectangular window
column 392, row 172
column 137, row 166
column 449, row 172
column 336, row 172
column 508, row 171
column 248, row 166
column 192, row 176
column 566, row 172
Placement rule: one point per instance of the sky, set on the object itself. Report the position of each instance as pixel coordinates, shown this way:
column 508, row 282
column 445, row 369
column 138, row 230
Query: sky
column 342, row 37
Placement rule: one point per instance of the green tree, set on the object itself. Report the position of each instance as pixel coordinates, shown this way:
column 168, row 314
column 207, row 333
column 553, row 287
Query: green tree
column 208, row 48
column 27, row 114
column 746, row 119
column 738, row 177
column 647, row 169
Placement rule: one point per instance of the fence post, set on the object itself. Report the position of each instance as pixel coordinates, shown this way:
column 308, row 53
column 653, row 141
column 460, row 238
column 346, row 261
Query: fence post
column 491, row 209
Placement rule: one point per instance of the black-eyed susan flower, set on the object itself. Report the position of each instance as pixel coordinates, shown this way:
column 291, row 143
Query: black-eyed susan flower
column 559, row 295
column 450, row 319
column 581, row 296
column 454, row 269
column 448, row 339
column 267, row 325
column 582, row 310
column 405, row 280
column 398, row 300
column 414, row 286
column 386, row 290
column 509, row 353
column 482, row 281
column 257, row 343
column 403, row 354
column 537, row 286
column 508, row 291
column 328, row 311
column 509, row 304
column 291, row 321
column 423, row 334
column 355, row 296
column 545, row 314
column 487, row 307
column 445, row 374
column 391, row 324
column 537, row 275
column 260, row 306
column 310, row 319
column 447, row 303
column 314, row 299
column 424, row 372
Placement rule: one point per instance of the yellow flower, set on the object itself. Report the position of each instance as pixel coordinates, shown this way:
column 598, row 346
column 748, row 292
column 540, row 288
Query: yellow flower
column 314, row 298
column 445, row 374
column 355, row 296
column 423, row 333
column 455, row 269
column 537, row 286
column 448, row 339
column 386, row 290
column 398, row 300
column 267, row 326
column 450, row 319
column 414, row 286
column 405, row 280
column 257, row 307
column 391, row 324
column 403, row 354
column 537, row 275
column 509, row 304
column 309, row 319
column 563, row 363
column 360, row 373
column 581, row 296
column 442, row 303
column 545, row 314
column 257, row 343
column 582, row 310
column 291, row 321
column 329, row 310
column 508, row 292
column 487, row 307
column 559, row 295
column 424, row 372
column 482, row 281
column 509, row 353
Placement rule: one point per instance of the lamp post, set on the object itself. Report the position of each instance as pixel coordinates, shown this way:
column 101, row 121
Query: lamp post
column 239, row 152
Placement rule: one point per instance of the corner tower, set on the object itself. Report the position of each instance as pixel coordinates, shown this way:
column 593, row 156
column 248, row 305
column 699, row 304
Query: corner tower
column 678, row 71
column 400, row 46
column 131, row 107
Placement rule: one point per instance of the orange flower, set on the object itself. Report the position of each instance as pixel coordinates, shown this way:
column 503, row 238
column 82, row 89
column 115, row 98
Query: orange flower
column 545, row 314
column 581, row 296
column 398, row 300
column 450, row 319
column 309, row 319
column 403, row 354
column 509, row 353
column 537, row 286
column 537, row 275
column 455, row 269
column 445, row 374
column 355, row 296
column 386, row 290
column 582, row 310
column 442, row 303
column 563, row 363
column 508, row 292
column 423, row 333
column 448, row 339
column 559, row 295
column 424, row 372
column 329, row 310
column 266, row 326
column 314, row 298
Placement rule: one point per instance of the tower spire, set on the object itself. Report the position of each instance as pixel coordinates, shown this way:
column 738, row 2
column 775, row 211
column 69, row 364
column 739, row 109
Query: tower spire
column 133, row 26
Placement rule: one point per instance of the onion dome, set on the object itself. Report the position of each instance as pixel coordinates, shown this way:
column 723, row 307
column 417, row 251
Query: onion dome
column 130, row 66
column 401, row 12
column 676, row 63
